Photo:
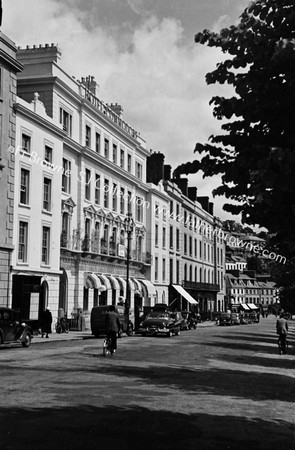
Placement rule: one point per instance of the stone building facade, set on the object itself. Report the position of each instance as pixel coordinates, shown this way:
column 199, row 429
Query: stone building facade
column 9, row 67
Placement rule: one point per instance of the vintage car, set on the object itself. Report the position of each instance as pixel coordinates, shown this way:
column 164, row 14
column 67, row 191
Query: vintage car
column 161, row 323
column 224, row 319
column 97, row 320
column 12, row 331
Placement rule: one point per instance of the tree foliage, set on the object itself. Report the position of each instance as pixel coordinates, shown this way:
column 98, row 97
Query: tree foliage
column 255, row 150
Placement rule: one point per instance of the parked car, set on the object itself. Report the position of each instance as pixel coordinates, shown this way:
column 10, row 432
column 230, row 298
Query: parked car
column 12, row 331
column 235, row 319
column 224, row 319
column 97, row 320
column 161, row 323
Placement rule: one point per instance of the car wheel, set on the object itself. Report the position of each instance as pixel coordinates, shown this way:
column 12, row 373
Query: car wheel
column 27, row 340
column 169, row 334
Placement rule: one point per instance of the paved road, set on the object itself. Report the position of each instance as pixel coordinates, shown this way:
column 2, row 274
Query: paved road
column 210, row 388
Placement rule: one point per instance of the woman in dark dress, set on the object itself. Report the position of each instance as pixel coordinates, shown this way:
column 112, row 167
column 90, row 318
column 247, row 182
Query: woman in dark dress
column 46, row 322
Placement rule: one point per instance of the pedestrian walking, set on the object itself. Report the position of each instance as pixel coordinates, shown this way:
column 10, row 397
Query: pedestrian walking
column 46, row 322
column 282, row 330
column 112, row 326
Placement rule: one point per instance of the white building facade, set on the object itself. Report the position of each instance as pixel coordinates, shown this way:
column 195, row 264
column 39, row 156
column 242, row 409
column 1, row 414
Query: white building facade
column 35, row 269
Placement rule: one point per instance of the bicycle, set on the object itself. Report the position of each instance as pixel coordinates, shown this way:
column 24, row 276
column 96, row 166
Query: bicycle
column 283, row 344
column 62, row 325
column 107, row 346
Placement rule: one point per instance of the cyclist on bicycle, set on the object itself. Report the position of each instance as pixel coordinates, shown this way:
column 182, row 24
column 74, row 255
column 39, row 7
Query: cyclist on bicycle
column 112, row 326
column 282, row 330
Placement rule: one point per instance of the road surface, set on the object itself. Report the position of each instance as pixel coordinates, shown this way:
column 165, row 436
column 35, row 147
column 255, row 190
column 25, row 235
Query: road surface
column 210, row 388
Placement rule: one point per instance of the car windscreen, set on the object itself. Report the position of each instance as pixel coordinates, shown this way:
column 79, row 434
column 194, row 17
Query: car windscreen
column 158, row 315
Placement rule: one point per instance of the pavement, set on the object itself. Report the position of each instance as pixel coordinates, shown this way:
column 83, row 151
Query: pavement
column 86, row 334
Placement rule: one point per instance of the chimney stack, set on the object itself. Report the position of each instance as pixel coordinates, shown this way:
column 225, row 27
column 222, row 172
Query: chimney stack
column 167, row 172
column 117, row 109
column 90, row 84
column 192, row 193
column 204, row 202
column 182, row 184
column 155, row 168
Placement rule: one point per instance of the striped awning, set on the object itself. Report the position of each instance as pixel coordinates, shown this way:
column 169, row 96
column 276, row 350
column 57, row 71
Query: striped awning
column 105, row 281
column 91, row 281
column 114, row 282
column 148, row 287
column 122, row 283
column 134, row 284
column 137, row 285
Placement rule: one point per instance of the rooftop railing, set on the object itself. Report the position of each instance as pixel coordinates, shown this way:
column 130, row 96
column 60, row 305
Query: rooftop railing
column 107, row 110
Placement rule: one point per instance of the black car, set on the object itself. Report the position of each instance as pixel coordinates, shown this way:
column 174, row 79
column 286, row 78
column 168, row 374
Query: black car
column 97, row 320
column 12, row 331
column 161, row 323
column 224, row 319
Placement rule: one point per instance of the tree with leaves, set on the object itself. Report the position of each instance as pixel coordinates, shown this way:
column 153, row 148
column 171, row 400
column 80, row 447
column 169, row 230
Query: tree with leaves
column 255, row 150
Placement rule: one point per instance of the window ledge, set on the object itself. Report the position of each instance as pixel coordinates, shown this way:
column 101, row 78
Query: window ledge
column 23, row 205
column 48, row 213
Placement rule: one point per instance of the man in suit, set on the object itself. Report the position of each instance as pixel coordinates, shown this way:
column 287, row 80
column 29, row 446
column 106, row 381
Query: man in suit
column 112, row 326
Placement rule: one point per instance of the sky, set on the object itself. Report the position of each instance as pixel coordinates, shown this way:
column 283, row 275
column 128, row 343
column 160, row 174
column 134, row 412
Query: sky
column 143, row 56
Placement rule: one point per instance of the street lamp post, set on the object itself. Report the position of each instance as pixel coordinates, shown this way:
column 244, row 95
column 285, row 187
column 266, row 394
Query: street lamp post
column 129, row 226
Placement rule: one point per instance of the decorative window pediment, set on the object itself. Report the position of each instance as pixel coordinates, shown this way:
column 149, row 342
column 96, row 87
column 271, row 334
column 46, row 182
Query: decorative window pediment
column 140, row 231
column 89, row 211
column 110, row 216
column 100, row 213
column 118, row 220
column 68, row 206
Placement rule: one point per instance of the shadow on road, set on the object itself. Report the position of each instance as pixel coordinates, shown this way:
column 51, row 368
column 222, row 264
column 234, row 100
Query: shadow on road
column 117, row 428
column 281, row 362
column 254, row 338
column 244, row 346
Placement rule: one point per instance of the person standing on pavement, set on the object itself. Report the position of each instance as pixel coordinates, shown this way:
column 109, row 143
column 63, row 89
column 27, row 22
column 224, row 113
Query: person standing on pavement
column 282, row 330
column 112, row 326
column 46, row 322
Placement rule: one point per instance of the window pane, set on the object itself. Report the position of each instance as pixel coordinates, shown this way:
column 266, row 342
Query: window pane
column 23, row 241
column 48, row 154
column 26, row 143
column 66, row 176
column 24, row 186
column 45, row 245
column 47, row 194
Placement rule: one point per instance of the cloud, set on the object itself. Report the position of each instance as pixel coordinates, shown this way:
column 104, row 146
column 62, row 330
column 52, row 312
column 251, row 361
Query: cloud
column 136, row 6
